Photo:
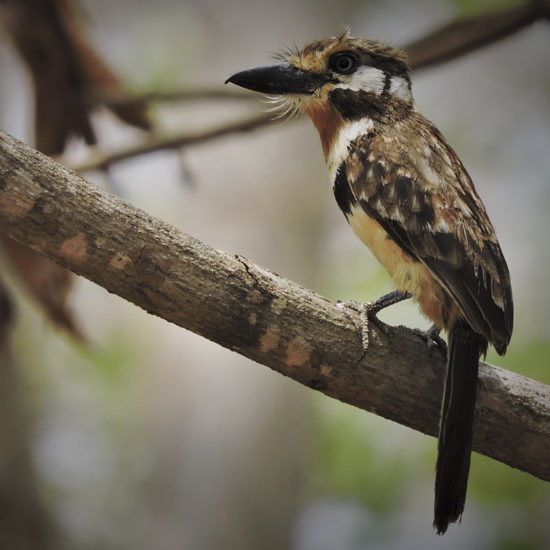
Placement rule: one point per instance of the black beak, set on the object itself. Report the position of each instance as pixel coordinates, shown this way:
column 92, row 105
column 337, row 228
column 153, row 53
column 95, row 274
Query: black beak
column 277, row 79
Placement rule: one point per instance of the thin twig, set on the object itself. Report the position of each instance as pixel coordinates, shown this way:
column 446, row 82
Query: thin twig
column 121, row 98
column 101, row 162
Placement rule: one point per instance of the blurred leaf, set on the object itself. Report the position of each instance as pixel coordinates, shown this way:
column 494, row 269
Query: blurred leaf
column 349, row 461
column 494, row 483
column 112, row 365
column 47, row 282
column 351, row 277
column 65, row 70
column 526, row 541
column 476, row 7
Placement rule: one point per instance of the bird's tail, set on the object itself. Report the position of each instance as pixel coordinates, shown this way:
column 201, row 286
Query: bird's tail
column 455, row 431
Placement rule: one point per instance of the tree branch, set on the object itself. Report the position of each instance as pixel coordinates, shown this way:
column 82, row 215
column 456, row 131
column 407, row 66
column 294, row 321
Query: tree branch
column 466, row 35
column 255, row 312
column 101, row 162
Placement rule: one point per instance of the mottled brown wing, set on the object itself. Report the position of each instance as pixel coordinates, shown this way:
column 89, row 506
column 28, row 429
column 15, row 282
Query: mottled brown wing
column 425, row 201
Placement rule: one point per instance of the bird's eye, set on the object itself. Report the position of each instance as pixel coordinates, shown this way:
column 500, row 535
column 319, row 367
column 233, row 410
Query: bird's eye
column 344, row 62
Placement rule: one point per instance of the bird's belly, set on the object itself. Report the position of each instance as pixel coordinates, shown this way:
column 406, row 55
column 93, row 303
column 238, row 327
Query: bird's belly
column 404, row 269
column 408, row 274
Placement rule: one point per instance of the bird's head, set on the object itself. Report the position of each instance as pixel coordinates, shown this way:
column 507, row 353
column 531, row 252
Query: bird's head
column 337, row 81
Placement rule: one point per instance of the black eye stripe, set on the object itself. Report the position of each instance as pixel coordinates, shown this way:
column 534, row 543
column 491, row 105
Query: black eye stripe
column 355, row 59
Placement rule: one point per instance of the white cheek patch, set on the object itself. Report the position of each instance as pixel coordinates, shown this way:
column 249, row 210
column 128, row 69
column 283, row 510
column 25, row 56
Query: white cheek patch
column 369, row 79
column 348, row 133
column 399, row 87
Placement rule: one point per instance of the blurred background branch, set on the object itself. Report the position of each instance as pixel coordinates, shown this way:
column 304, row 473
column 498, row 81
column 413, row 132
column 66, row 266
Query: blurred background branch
column 468, row 34
column 100, row 161
column 120, row 98
column 451, row 41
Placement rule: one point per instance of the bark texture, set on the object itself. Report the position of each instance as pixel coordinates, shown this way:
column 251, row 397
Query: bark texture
column 250, row 310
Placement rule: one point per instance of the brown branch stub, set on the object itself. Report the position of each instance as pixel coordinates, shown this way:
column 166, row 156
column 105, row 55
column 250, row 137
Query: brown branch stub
column 255, row 312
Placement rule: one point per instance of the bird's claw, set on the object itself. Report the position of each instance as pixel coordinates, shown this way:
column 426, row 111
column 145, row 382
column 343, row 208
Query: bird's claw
column 368, row 314
column 371, row 310
column 432, row 338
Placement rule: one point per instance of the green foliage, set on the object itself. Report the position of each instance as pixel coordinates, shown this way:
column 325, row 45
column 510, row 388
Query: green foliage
column 494, row 484
column 528, row 540
column 528, row 358
column 355, row 278
column 362, row 457
column 111, row 366
column 475, row 7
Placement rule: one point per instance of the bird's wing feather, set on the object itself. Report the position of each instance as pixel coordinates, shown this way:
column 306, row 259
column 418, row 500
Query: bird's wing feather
column 425, row 201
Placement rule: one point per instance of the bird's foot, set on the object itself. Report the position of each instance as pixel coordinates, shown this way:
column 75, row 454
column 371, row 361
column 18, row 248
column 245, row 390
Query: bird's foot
column 363, row 325
column 432, row 338
column 368, row 314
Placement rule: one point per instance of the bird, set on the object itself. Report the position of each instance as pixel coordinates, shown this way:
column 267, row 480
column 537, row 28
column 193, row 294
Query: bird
column 409, row 199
